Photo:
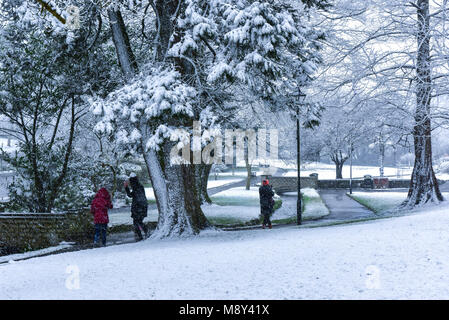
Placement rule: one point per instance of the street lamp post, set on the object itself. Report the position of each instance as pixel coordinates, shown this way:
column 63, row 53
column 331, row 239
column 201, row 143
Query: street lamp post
column 350, row 169
column 298, row 160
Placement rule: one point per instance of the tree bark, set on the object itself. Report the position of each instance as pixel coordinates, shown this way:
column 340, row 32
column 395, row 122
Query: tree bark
column 339, row 159
column 423, row 185
column 339, row 170
column 184, row 215
column 120, row 37
column 202, row 177
column 248, row 171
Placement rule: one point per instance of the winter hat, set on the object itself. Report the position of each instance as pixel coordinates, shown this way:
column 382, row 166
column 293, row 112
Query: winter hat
column 265, row 182
column 103, row 193
column 133, row 180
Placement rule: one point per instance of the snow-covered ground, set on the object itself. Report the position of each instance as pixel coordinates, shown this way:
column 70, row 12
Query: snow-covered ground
column 10, row 258
column 383, row 200
column 218, row 183
column 238, row 213
column 241, row 205
column 211, row 184
column 327, row 171
column 396, row 258
column 237, row 196
column 314, row 207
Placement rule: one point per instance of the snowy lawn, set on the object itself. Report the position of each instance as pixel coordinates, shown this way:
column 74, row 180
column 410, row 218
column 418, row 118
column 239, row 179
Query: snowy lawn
column 222, row 215
column 382, row 200
column 327, row 171
column 12, row 257
column 235, row 205
column 221, row 182
column 232, row 206
column 211, row 184
column 396, row 258
column 239, row 206
column 313, row 207
column 237, row 196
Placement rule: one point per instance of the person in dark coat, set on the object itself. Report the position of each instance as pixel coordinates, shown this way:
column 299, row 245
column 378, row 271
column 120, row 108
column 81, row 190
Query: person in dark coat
column 266, row 202
column 139, row 206
column 99, row 208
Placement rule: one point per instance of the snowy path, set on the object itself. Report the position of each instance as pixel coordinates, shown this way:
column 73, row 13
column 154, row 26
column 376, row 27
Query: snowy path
column 342, row 207
column 241, row 183
column 396, row 258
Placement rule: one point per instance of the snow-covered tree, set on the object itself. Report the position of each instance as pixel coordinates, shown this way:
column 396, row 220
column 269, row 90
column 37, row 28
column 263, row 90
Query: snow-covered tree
column 200, row 49
column 46, row 71
column 395, row 53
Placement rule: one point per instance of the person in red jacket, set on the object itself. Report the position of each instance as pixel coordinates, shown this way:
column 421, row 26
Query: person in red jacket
column 99, row 208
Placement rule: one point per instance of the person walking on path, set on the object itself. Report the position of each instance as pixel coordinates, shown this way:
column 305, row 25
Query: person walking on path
column 139, row 206
column 99, row 208
column 266, row 202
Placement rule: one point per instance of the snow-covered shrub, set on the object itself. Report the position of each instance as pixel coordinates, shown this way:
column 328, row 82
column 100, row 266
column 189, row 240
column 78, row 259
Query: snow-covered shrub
column 84, row 176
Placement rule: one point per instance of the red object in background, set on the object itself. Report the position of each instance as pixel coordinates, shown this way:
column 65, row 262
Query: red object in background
column 380, row 183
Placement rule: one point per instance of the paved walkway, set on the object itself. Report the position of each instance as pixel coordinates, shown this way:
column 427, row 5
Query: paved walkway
column 241, row 183
column 342, row 207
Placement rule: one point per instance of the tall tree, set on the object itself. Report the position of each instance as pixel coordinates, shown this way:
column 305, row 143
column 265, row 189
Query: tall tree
column 424, row 185
column 200, row 48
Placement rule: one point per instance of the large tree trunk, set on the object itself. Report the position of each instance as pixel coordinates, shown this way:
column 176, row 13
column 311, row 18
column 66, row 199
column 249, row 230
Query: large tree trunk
column 339, row 159
column 424, row 185
column 202, row 177
column 339, row 170
column 184, row 215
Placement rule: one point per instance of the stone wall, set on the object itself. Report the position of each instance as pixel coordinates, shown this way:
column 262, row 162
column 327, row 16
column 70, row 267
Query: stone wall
column 25, row 232
column 289, row 184
column 338, row 183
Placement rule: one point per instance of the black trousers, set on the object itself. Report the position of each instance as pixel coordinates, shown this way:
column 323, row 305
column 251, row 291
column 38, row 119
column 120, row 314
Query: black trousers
column 139, row 226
